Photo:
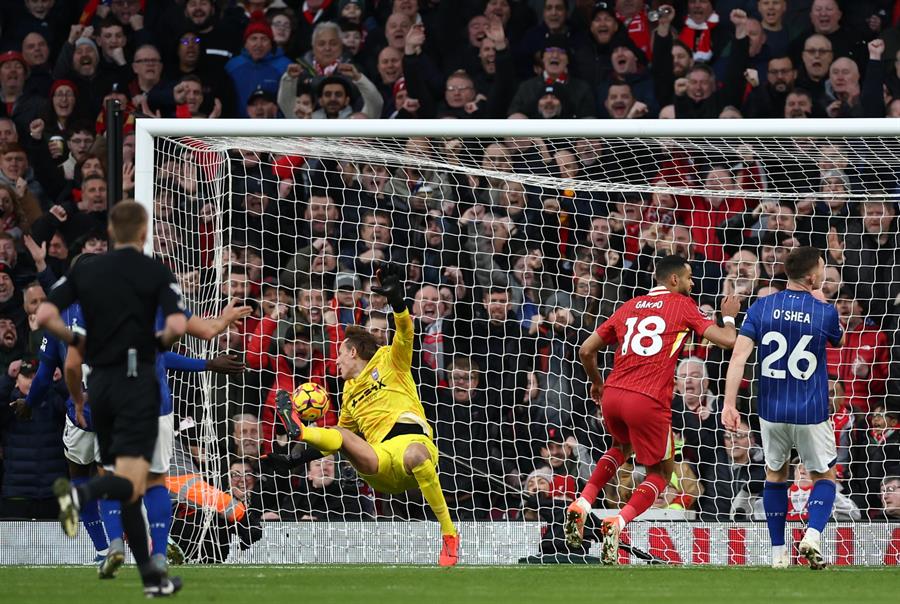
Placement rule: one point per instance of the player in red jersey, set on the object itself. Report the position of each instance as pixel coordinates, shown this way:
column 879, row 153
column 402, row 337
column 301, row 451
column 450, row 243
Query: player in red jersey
column 637, row 396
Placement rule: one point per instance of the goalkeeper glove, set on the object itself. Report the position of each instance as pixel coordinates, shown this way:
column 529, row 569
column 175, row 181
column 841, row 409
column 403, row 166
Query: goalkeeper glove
column 391, row 285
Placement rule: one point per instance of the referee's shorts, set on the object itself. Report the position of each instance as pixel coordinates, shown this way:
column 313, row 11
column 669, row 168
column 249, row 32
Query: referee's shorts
column 125, row 411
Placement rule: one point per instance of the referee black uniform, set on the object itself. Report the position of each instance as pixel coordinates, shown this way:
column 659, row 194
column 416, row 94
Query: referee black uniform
column 119, row 293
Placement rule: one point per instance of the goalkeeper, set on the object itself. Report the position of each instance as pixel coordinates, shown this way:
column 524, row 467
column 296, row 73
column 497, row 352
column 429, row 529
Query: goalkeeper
column 382, row 428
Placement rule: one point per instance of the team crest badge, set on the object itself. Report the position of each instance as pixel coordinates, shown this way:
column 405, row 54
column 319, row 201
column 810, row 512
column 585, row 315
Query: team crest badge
column 375, row 375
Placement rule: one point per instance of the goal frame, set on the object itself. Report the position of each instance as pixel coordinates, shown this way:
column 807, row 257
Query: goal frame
column 148, row 129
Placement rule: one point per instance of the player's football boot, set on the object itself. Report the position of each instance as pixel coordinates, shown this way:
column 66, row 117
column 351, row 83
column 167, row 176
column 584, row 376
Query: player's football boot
column 174, row 553
column 156, row 579
column 288, row 415
column 810, row 550
column 449, row 550
column 68, row 509
column 167, row 586
column 609, row 551
column 782, row 560
column 574, row 526
column 115, row 558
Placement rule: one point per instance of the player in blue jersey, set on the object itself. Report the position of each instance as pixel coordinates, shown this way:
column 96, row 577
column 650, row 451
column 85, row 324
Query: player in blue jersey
column 156, row 498
column 79, row 440
column 791, row 329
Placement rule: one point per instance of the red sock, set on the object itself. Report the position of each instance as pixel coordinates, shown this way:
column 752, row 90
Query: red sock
column 643, row 497
column 604, row 470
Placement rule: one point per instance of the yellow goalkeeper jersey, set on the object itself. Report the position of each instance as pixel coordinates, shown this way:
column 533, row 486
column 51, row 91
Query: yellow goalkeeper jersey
column 384, row 393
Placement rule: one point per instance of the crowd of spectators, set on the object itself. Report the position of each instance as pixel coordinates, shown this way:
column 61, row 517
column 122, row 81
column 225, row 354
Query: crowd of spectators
column 505, row 278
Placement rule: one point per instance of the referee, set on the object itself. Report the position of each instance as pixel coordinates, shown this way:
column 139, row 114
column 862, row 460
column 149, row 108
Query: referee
column 120, row 293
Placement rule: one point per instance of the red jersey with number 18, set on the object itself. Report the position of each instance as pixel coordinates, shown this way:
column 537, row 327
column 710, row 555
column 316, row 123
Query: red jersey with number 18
column 651, row 331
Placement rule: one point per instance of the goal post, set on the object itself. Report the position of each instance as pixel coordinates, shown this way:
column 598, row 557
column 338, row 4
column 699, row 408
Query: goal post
column 518, row 237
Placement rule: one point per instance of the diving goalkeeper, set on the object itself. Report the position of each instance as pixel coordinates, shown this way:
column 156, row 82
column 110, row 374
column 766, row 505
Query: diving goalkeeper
column 382, row 428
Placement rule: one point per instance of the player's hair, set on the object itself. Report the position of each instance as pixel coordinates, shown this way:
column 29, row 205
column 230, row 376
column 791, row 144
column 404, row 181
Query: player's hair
column 126, row 220
column 669, row 265
column 366, row 344
column 801, row 262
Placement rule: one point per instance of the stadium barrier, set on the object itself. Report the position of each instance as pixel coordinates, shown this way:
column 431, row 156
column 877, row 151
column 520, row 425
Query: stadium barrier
column 483, row 543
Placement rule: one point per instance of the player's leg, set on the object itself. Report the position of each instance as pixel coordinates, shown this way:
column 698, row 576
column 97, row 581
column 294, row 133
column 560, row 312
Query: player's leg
column 156, row 499
column 649, row 426
column 80, row 451
column 159, row 513
column 777, row 441
column 90, row 512
column 358, row 452
column 418, row 461
column 606, row 467
column 818, row 452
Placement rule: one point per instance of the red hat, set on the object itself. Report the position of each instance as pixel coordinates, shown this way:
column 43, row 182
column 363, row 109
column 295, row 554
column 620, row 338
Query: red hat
column 399, row 85
column 258, row 25
column 60, row 83
column 12, row 55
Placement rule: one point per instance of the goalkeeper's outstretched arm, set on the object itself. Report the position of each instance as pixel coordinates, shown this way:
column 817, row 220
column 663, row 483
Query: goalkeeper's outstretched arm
column 390, row 285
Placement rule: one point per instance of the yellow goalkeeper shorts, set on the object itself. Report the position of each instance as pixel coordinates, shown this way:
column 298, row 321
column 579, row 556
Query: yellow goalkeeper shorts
column 392, row 476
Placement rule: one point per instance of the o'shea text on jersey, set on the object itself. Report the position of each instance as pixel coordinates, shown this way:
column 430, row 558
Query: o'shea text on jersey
column 792, row 315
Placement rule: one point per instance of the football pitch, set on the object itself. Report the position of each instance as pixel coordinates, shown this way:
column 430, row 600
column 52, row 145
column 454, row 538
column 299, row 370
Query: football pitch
column 432, row 585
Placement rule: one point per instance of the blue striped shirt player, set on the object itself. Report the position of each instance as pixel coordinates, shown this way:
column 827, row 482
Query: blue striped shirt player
column 790, row 331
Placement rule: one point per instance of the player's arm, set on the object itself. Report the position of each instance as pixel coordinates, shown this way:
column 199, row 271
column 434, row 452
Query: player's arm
column 74, row 376
column 207, row 329
column 170, row 300
column 62, row 296
column 223, row 363
column 725, row 336
column 743, row 348
column 44, row 375
column 390, row 285
column 588, row 355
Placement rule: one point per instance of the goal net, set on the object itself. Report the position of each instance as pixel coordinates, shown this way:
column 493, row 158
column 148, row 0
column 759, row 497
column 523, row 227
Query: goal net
column 516, row 245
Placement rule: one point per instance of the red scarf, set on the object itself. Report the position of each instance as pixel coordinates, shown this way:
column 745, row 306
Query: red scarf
column 639, row 31
column 562, row 79
column 698, row 37
column 313, row 16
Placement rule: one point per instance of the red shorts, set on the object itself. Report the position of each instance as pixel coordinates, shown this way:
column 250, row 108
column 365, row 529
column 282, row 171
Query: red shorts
column 644, row 423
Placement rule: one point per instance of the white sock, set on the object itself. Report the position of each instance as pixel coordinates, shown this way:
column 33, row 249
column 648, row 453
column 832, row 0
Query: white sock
column 73, row 493
column 812, row 535
column 584, row 505
column 778, row 551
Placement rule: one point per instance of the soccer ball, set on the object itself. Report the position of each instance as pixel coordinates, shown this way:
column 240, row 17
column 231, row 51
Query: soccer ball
column 310, row 401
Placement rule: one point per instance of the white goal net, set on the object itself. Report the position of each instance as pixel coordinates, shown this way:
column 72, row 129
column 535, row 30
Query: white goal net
column 514, row 248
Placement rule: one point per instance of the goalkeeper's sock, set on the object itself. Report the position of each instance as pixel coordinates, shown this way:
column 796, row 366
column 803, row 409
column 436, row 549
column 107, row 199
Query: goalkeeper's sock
column 111, row 512
column 643, row 497
column 323, row 439
column 427, row 478
column 159, row 517
column 604, row 470
column 90, row 517
column 820, row 505
column 775, row 504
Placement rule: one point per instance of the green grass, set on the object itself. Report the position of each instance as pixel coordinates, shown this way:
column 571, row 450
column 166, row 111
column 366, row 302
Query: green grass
column 431, row 585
